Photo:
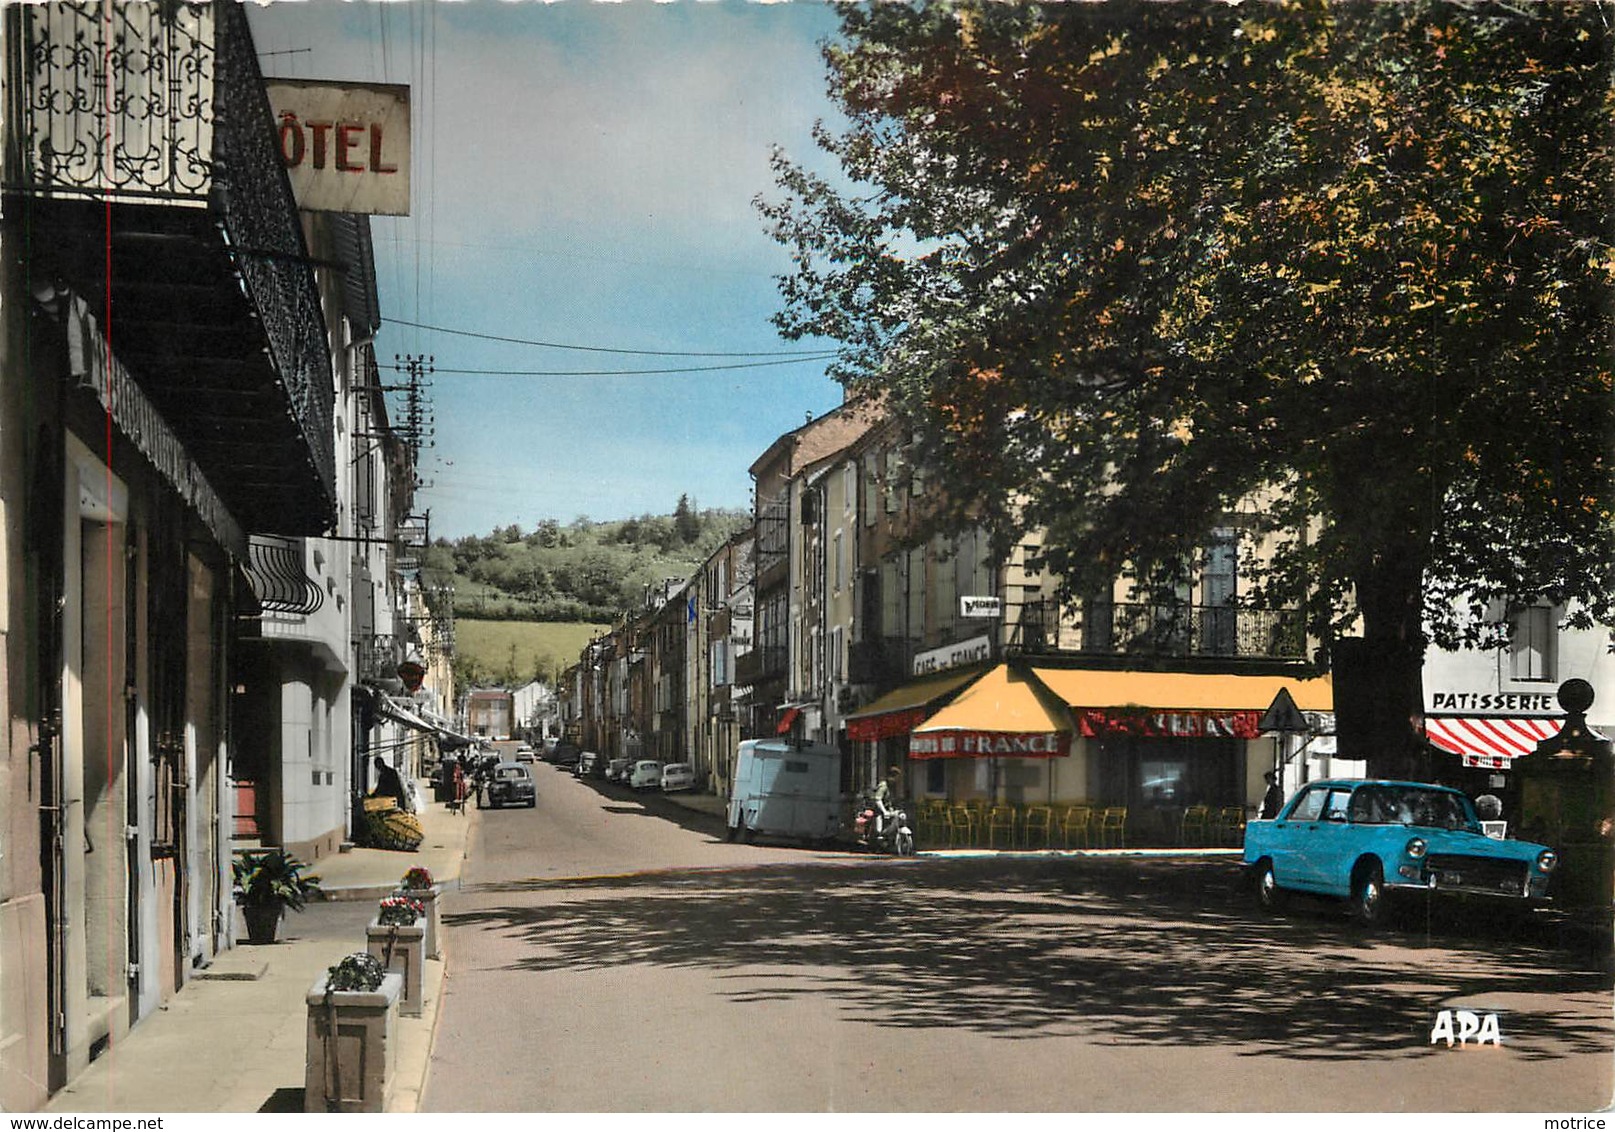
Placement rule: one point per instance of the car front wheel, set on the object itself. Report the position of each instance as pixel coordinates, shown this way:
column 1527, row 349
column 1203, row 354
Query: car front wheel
column 1368, row 895
column 1269, row 896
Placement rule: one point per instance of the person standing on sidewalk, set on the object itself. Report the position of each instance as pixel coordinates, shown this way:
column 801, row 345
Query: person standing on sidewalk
column 1273, row 800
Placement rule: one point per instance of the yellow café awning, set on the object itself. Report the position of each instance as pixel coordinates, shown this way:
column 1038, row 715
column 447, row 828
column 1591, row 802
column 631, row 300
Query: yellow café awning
column 1007, row 713
column 1177, row 704
column 899, row 710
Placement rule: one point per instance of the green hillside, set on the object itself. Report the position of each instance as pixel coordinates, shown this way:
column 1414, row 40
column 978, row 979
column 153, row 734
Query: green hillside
column 510, row 653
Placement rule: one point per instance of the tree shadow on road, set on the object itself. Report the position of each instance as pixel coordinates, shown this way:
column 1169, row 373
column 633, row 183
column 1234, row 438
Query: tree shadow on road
column 1126, row 952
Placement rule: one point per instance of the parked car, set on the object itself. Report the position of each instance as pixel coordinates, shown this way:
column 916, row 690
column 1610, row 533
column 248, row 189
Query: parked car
column 511, row 784
column 591, row 764
column 1363, row 840
column 677, row 776
column 566, row 754
column 617, row 770
column 646, row 775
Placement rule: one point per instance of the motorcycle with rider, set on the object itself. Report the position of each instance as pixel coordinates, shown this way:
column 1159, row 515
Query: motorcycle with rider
column 882, row 825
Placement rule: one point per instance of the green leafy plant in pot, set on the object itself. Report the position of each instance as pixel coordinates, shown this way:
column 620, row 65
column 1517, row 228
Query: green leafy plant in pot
column 266, row 885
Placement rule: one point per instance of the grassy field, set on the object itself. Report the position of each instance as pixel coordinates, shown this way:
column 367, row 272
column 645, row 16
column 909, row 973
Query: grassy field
column 556, row 643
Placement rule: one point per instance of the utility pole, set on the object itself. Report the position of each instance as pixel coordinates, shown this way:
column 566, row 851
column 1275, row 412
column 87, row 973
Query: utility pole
column 417, row 428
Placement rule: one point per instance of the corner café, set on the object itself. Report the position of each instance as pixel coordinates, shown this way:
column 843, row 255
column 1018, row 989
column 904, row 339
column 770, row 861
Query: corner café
column 1155, row 743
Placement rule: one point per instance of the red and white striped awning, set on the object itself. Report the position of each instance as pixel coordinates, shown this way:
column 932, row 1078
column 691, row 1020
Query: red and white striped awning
column 1488, row 741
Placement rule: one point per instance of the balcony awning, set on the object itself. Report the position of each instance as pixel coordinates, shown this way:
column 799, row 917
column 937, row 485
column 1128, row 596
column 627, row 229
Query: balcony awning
column 1004, row 714
column 1489, row 741
column 899, row 711
column 1178, row 704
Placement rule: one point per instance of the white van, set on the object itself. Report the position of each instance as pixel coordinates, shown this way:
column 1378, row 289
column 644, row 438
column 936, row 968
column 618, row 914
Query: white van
column 785, row 789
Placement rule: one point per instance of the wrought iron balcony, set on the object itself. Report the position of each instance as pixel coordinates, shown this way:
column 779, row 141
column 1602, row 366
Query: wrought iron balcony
column 1170, row 630
column 279, row 578
column 378, row 656
column 145, row 166
column 760, row 664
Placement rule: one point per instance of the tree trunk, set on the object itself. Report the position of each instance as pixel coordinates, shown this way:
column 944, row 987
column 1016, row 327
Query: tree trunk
column 1379, row 677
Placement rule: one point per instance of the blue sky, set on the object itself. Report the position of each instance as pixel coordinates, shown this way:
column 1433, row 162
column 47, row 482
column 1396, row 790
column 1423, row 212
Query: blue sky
column 584, row 174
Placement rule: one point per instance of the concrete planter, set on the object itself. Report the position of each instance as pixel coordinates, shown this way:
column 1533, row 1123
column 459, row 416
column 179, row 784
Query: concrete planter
column 434, row 924
column 401, row 948
column 352, row 1049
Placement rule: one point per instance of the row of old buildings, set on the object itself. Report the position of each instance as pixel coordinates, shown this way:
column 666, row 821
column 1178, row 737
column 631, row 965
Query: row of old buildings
column 210, row 622
column 833, row 619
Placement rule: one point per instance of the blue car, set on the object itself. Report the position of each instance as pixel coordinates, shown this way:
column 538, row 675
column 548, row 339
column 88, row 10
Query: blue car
column 1362, row 839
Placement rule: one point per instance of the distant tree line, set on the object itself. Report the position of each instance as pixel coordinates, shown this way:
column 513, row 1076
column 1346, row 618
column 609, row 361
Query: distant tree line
column 581, row 571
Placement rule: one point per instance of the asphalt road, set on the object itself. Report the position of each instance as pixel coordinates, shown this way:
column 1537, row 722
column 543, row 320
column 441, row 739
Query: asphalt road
column 612, row 953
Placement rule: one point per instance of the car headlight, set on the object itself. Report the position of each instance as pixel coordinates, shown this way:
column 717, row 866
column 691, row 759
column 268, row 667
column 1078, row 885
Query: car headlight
column 1546, row 860
column 1416, row 848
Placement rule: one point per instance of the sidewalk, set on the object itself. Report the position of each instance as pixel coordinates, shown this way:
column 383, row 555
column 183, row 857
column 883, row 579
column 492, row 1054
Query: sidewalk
column 233, row 1040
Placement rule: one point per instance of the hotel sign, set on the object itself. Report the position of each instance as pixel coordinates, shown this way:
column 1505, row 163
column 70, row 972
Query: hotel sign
column 345, row 145
column 981, row 607
column 973, row 651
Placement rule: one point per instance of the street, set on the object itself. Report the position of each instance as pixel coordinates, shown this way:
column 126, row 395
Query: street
column 611, row 952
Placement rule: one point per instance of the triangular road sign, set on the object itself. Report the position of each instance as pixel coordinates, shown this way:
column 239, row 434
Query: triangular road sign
column 1282, row 715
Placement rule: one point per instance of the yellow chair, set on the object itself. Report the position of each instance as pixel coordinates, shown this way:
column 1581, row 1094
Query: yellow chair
column 1113, row 827
column 960, row 826
column 927, row 820
column 1076, row 828
column 978, row 819
column 1038, row 823
column 1231, row 826
column 1001, row 820
column 1195, row 819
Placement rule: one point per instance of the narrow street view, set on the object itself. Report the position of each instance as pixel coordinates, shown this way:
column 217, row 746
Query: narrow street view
column 842, row 556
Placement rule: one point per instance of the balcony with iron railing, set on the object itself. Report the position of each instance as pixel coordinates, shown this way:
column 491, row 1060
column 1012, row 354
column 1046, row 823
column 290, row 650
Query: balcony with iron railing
column 1161, row 630
column 762, row 663
column 140, row 136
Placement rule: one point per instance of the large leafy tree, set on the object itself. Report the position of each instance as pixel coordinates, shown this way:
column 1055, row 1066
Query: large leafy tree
column 1130, row 264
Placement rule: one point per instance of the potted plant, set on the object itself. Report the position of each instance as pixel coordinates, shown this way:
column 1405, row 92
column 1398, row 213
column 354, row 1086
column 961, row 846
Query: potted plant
column 351, row 1050
column 397, row 937
column 399, row 910
column 417, row 884
column 266, row 884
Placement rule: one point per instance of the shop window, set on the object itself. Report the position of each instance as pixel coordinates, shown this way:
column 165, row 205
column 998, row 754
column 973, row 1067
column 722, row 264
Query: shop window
column 936, row 780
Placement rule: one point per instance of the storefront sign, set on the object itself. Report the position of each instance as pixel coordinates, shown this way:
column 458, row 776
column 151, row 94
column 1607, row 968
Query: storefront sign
column 989, row 744
column 1495, row 703
column 973, row 651
column 981, row 607
column 345, row 145
column 1093, row 722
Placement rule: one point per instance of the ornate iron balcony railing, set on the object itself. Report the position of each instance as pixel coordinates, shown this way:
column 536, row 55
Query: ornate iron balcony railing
column 279, row 579
column 155, row 112
column 1138, row 629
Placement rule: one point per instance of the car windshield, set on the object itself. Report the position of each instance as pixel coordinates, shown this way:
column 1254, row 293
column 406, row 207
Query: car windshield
column 512, row 772
column 1411, row 805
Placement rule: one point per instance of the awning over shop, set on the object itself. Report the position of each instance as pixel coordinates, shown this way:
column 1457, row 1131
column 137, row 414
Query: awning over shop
column 1004, row 714
column 901, row 710
column 1489, row 741
column 1177, row 704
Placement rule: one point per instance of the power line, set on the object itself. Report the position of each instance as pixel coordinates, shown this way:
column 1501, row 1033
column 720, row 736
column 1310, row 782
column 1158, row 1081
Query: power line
column 613, row 350
column 627, row 372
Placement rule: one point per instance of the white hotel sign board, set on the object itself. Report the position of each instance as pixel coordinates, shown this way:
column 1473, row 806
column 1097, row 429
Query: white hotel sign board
column 981, row 606
column 345, row 145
